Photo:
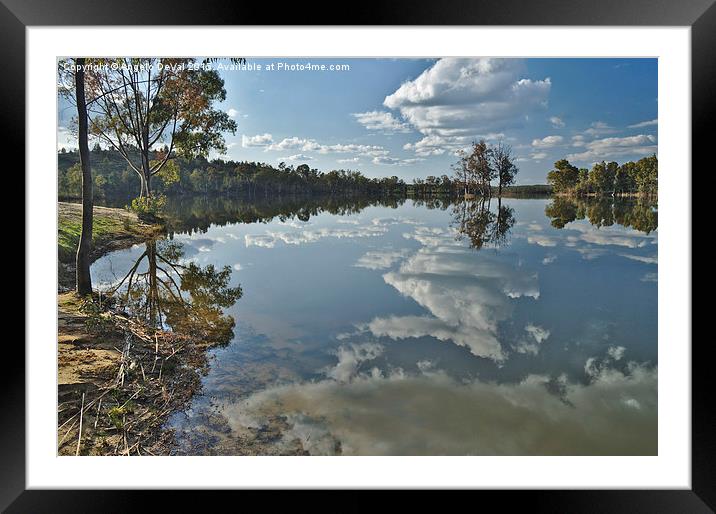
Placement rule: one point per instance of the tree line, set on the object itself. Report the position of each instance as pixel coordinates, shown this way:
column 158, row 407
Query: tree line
column 606, row 178
column 113, row 178
column 201, row 176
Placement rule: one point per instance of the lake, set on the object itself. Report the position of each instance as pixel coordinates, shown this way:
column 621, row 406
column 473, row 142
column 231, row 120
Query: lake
column 520, row 327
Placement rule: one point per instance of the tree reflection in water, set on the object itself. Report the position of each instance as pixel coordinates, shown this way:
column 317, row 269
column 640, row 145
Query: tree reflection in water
column 164, row 290
column 640, row 214
column 475, row 221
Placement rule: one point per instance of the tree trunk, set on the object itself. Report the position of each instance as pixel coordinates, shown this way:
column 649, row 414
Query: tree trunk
column 147, row 186
column 145, row 164
column 82, row 262
column 153, row 297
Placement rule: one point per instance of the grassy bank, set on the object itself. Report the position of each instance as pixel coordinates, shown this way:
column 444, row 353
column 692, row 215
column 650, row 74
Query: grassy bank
column 112, row 229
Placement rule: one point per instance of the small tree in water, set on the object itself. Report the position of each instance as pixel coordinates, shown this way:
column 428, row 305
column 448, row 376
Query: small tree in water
column 504, row 165
column 474, row 170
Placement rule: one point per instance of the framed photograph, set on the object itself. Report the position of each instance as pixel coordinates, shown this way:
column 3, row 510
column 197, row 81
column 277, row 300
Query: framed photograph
column 425, row 248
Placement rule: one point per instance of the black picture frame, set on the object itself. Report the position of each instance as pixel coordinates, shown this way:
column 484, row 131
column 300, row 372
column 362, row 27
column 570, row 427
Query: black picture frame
column 700, row 15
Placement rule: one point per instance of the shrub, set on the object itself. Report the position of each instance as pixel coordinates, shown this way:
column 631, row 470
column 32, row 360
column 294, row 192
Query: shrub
column 148, row 207
column 95, row 321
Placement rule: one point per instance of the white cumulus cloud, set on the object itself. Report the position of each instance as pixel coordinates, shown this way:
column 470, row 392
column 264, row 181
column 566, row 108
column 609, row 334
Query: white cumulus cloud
column 616, row 147
column 648, row 123
column 547, row 142
column 257, row 140
column 296, row 157
column 380, row 121
column 467, row 97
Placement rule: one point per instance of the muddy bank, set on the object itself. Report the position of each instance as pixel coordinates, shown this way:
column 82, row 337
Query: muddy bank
column 118, row 381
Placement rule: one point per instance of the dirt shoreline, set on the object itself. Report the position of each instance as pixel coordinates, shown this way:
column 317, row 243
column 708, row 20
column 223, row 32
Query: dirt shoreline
column 118, row 381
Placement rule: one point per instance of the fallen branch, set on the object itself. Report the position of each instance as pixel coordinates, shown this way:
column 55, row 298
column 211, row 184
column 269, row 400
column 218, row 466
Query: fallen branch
column 79, row 438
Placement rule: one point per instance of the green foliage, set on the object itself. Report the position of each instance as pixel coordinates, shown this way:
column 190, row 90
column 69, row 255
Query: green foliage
column 625, row 178
column 475, row 169
column 197, row 175
column 169, row 172
column 148, row 207
column 528, row 190
column 646, row 175
column 116, row 414
column 601, row 177
column 583, row 182
column 606, row 178
column 153, row 101
column 563, row 177
column 95, row 320
column 504, row 164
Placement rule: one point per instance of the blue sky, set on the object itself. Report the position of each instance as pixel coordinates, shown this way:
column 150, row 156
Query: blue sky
column 408, row 117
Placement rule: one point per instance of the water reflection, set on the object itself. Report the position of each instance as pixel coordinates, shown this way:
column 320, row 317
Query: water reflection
column 404, row 327
column 432, row 414
column 640, row 214
column 480, row 225
column 465, row 299
column 165, row 290
column 197, row 214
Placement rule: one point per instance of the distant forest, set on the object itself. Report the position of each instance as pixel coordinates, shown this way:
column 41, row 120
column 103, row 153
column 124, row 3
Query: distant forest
column 199, row 176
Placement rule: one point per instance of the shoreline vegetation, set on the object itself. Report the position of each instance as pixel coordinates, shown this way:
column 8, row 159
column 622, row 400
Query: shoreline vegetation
column 638, row 178
column 120, row 375
column 119, row 381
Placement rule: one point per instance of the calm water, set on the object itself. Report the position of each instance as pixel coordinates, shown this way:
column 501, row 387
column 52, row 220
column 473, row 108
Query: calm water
column 523, row 328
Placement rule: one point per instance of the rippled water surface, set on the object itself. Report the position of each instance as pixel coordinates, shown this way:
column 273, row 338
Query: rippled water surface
column 521, row 327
